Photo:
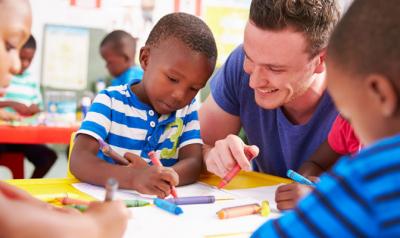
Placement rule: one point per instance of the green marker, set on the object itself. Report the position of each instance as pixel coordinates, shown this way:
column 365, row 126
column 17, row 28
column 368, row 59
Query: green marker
column 128, row 203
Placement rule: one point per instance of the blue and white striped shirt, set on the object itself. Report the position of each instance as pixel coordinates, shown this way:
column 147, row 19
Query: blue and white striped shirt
column 359, row 198
column 129, row 125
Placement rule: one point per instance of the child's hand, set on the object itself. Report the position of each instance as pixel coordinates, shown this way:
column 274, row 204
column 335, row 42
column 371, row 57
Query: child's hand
column 136, row 161
column 21, row 109
column 9, row 116
column 34, row 109
column 288, row 195
column 111, row 218
column 156, row 180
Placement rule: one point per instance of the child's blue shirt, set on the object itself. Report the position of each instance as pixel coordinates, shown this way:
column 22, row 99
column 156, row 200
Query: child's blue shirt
column 359, row 198
column 129, row 125
column 133, row 73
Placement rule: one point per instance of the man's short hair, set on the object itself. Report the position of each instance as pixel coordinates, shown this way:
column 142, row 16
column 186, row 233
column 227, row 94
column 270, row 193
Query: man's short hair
column 315, row 18
column 187, row 28
column 121, row 42
column 367, row 39
column 30, row 44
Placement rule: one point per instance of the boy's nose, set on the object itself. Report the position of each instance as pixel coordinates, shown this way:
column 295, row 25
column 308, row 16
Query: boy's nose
column 15, row 62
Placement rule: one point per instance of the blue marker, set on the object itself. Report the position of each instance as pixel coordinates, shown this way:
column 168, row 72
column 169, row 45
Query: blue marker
column 168, row 206
column 299, row 178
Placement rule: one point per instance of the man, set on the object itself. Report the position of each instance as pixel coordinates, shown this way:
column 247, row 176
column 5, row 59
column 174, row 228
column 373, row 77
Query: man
column 274, row 87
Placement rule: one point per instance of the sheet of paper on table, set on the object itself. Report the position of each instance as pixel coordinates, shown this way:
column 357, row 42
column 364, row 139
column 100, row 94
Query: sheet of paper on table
column 197, row 220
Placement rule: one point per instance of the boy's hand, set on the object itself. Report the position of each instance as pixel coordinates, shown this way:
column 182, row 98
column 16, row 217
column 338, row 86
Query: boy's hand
column 136, row 161
column 226, row 153
column 111, row 218
column 156, row 180
column 288, row 195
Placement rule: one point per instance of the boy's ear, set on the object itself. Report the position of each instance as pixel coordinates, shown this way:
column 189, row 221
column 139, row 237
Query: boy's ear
column 320, row 62
column 144, row 57
column 383, row 94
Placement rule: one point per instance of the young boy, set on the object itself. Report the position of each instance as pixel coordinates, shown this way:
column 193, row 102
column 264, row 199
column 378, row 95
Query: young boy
column 22, row 215
column 157, row 113
column 341, row 141
column 118, row 49
column 360, row 196
column 23, row 97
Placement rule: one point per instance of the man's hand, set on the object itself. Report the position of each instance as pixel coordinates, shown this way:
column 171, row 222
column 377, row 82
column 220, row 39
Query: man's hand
column 221, row 158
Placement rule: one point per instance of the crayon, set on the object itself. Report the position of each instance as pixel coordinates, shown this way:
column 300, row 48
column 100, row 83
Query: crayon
column 72, row 201
column 157, row 162
column 192, row 200
column 108, row 151
column 128, row 203
column 168, row 206
column 111, row 188
column 238, row 211
column 235, row 170
column 299, row 178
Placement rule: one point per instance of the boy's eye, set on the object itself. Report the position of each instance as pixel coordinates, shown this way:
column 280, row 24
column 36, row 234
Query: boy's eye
column 172, row 80
column 194, row 89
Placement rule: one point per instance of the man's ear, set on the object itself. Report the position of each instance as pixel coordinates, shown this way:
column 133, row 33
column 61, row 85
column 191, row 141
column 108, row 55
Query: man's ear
column 144, row 57
column 320, row 67
column 383, row 93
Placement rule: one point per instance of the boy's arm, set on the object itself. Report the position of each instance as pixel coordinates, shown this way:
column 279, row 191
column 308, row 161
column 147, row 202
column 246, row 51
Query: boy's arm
column 321, row 161
column 21, row 108
column 100, row 221
column 87, row 167
column 190, row 163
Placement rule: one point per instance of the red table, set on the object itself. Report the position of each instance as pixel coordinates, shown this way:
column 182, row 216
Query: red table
column 30, row 135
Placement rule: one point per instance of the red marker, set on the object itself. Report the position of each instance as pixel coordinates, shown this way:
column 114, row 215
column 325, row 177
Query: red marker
column 157, row 162
column 235, row 170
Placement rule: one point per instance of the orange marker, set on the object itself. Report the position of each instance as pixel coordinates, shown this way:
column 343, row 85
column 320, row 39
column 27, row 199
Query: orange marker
column 238, row 211
column 235, row 170
column 157, row 162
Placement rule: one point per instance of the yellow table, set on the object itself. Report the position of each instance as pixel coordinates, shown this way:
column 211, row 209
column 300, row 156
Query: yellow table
column 48, row 189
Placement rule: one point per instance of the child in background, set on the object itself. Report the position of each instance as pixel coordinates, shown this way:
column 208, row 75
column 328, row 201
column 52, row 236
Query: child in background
column 118, row 49
column 158, row 113
column 23, row 97
column 341, row 141
column 22, row 215
column 359, row 197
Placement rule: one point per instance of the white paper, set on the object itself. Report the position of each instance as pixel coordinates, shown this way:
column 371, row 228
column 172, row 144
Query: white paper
column 198, row 220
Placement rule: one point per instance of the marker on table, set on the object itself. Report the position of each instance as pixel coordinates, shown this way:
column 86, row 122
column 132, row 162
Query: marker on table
column 299, row 178
column 128, row 203
column 244, row 210
column 168, row 206
column 107, row 150
column 192, row 200
column 111, row 188
column 235, row 170
column 157, row 162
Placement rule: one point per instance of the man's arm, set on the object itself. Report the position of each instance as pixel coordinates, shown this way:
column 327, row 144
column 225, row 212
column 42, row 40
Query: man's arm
column 223, row 148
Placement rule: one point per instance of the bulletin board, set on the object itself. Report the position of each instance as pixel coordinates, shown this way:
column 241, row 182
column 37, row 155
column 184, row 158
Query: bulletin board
column 65, row 57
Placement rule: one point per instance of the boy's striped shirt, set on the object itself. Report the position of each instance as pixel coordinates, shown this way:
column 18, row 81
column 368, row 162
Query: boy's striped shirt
column 128, row 125
column 359, row 198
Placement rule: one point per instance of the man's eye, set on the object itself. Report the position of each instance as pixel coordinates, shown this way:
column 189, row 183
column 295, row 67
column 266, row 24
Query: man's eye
column 9, row 47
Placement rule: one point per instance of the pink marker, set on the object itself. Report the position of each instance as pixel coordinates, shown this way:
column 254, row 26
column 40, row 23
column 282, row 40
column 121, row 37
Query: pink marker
column 157, row 162
column 107, row 150
column 235, row 170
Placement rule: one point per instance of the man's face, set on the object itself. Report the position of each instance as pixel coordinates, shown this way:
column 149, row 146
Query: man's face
column 280, row 69
column 15, row 25
column 26, row 56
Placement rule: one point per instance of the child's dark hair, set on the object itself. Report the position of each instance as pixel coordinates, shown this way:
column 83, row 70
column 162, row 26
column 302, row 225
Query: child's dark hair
column 122, row 43
column 30, row 44
column 187, row 28
column 367, row 40
column 314, row 18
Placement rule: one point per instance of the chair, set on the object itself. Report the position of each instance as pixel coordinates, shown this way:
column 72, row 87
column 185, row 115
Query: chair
column 15, row 162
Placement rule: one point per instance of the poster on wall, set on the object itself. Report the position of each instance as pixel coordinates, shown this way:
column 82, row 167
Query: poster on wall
column 227, row 19
column 65, row 57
